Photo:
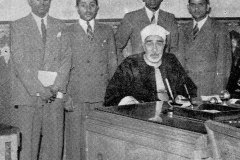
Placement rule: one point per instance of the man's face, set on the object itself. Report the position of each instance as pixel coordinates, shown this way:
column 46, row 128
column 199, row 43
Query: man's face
column 153, row 5
column 40, row 7
column 87, row 9
column 198, row 9
column 153, row 47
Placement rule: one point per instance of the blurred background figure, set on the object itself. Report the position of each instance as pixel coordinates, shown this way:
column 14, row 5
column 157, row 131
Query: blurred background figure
column 233, row 85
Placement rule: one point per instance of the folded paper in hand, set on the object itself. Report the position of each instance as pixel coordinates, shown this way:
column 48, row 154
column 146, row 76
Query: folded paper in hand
column 47, row 78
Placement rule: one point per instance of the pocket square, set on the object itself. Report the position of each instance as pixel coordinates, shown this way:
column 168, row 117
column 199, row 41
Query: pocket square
column 59, row 34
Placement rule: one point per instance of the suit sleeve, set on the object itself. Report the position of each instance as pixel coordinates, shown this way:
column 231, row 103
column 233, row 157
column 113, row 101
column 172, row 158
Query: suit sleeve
column 112, row 54
column 21, row 63
column 123, row 33
column 65, row 63
column 223, row 49
column 174, row 35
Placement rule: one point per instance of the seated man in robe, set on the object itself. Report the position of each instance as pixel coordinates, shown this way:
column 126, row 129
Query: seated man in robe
column 150, row 76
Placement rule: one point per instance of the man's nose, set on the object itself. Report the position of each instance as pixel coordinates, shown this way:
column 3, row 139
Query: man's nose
column 154, row 48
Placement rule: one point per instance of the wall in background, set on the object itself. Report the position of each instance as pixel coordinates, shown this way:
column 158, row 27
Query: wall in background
column 65, row 9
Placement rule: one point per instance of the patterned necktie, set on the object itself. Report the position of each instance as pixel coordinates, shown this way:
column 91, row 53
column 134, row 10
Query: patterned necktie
column 153, row 20
column 195, row 31
column 89, row 31
column 44, row 32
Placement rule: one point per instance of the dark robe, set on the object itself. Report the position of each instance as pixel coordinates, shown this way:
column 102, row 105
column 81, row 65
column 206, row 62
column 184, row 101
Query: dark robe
column 233, row 85
column 134, row 77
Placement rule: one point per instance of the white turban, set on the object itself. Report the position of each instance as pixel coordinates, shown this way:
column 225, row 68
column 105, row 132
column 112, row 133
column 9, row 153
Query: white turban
column 153, row 29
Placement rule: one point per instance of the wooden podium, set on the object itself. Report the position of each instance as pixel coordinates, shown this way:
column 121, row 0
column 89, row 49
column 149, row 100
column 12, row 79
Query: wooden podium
column 111, row 133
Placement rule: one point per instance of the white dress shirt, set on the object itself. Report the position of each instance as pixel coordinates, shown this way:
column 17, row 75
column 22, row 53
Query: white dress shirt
column 200, row 23
column 84, row 25
column 161, row 90
column 150, row 14
column 38, row 21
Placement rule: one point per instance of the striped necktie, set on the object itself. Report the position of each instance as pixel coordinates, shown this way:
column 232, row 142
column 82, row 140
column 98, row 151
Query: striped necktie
column 44, row 31
column 89, row 31
column 153, row 20
column 195, row 31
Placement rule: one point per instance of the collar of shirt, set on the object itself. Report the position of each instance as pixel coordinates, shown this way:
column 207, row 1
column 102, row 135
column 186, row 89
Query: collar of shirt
column 83, row 24
column 200, row 23
column 155, row 65
column 38, row 21
column 150, row 14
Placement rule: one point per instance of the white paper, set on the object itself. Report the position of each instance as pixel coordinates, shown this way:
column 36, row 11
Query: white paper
column 208, row 98
column 47, row 78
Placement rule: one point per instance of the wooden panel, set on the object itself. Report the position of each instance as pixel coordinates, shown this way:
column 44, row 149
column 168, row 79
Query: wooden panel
column 224, row 140
column 138, row 152
column 137, row 139
column 102, row 147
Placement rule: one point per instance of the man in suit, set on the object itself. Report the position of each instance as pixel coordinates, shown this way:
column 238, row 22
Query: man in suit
column 39, row 43
column 93, row 63
column 135, row 21
column 205, row 50
column 148, row 76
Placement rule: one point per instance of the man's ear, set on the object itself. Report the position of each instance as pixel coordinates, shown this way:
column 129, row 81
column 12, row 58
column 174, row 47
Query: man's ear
column 97, row 8
column 209, row 8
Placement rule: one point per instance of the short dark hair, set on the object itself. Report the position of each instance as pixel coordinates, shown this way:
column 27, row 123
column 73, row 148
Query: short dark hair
column 207, row 1
column 78, row 1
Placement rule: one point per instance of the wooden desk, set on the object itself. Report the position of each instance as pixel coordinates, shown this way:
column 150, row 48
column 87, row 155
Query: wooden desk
column 8, row 142
column 127, row 134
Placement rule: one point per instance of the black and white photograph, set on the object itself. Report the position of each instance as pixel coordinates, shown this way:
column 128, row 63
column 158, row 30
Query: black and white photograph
column 119, row 80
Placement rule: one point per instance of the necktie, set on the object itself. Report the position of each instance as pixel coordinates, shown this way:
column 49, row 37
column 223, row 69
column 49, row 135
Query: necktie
column 89, row 31
column 161, row 91
column 195, row 31
column 153, row 20
column 44, row 32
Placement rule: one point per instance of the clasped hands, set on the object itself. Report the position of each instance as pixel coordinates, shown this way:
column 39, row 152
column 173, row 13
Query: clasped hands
column 49, row 95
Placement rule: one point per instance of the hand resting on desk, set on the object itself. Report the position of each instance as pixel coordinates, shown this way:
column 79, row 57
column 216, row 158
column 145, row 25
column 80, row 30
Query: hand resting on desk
column 183, row 101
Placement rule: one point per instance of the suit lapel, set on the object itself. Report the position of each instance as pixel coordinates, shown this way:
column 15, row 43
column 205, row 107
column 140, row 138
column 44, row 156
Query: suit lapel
column 34, row 32
column 50, row 45
column 204, row 31
column 161, row 19
column 143, row 19
column 83, row 40
column 205, row 28
column 97, row 32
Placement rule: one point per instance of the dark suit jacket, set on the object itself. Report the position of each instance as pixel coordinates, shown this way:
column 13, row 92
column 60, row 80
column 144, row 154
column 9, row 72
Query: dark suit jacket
column 93, row 62
column 135, row 21
column 207, row 59
column 135, row 78
column 28, row 56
